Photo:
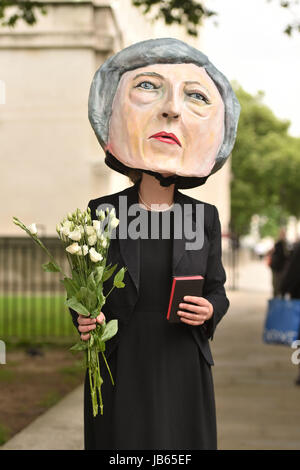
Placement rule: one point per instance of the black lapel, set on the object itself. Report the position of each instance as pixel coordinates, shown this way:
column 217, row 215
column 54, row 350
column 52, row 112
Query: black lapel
column 130, row 248
column 187, row 220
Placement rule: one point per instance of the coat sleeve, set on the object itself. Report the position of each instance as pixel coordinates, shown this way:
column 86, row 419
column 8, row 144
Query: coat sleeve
column 215, row 279
column 291, row 275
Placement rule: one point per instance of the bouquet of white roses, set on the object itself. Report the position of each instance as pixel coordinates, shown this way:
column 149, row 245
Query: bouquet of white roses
column 86, row 244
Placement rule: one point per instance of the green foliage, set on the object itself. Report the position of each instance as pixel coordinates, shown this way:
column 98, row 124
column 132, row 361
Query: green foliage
column 71, row 286
column 118, row 279
column 265, row 165
column 50, row 399
column 24, row 10
column 188, row 13
column 51, row 267
column 109, row 272
column 77, row 306
column 110, row 330
column 4, row 434
column 80, row 346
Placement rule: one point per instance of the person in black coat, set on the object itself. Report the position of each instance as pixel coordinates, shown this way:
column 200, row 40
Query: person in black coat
column 279, row 258
column 167, row 118
column 290, row 283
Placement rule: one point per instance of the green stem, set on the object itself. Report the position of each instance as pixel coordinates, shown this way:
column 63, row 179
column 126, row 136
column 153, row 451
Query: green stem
column 41, row 244
column 92, row 391
column 112, row 380
column 99, row 384
column 110, row 291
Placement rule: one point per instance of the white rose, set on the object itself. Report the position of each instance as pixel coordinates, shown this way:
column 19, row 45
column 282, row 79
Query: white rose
column 96, row 224
column 101, row 214
column 73, row 249
column 112, row 213
column 75, row 235
column 114, row 222
column 65, row 229
column 99, row 234
column 90, row 230
column 92, row 240
column 95, row 256
column 83, row 251
column 32, row 229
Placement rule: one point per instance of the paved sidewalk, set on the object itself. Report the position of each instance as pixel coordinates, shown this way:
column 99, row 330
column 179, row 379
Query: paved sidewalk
column 257, row 401
column 60, row 428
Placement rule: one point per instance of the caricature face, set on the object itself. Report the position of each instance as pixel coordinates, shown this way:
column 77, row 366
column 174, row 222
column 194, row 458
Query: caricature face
column 167, row 118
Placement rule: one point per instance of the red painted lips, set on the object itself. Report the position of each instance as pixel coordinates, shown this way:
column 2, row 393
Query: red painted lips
column 166, row 137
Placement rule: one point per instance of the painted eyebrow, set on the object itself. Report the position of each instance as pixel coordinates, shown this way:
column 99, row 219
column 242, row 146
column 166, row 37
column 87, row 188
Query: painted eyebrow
column 193, row 82
column 153, row 74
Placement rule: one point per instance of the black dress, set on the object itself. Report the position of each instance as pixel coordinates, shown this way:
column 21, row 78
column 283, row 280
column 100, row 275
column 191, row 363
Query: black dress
column 155, row 365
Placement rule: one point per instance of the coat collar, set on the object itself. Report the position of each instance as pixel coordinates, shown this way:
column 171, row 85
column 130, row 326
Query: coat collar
column 130, row 248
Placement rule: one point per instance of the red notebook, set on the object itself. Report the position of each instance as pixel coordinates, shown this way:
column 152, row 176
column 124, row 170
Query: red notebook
column 181, row 286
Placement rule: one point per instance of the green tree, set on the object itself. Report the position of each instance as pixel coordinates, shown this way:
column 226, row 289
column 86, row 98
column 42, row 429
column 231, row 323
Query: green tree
column 24, row 10
column 188, row 13
column 265, row 168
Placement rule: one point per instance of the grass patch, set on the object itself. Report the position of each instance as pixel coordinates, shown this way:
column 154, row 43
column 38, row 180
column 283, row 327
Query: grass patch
column 4, row 434
column 7, row 375
column 74, row 369
column 74, row 372
column 31, row 385
column 50, row 399
column 39, row 316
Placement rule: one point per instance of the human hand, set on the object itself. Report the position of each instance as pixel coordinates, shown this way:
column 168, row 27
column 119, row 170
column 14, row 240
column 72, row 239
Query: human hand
column 200, row 312
column 87, row 324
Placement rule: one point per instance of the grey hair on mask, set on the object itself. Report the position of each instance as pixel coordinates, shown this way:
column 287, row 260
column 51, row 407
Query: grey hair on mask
column 157, row 51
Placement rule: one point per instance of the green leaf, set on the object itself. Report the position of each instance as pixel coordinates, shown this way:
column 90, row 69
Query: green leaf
column 77, row 306
column 87, row 298
column 82, row 295
column 110, row 330
column 92, row 300
column 81, row 346
column 119, row 284
column 98, row 274
column 70, row 287
column 91, row 284
column 51, row 267
column 76, row 278
column 100, row 345
column 100, row 297
column 109, row 272
column 119, row 278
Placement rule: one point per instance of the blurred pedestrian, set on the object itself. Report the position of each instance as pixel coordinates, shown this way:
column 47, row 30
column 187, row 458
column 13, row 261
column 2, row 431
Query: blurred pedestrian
column 290, row 283
column 278, row 261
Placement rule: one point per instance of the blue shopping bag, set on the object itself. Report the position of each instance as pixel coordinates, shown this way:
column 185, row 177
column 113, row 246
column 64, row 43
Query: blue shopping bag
column 282, row 323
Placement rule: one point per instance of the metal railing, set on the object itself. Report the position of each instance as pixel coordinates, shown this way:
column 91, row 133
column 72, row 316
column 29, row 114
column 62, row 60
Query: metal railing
column 32, row 301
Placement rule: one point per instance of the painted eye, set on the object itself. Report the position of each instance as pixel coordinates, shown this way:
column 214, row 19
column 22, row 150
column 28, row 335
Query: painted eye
column 146, row 85
column 199, row 97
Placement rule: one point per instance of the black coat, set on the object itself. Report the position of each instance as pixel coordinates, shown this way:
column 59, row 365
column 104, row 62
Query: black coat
column 291, row 279
column 205, row 261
